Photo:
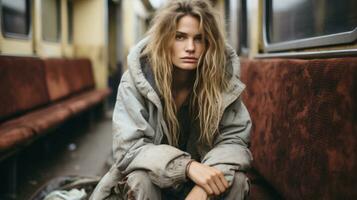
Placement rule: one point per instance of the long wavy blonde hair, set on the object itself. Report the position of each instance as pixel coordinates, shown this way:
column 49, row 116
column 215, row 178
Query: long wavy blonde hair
column 211, row 77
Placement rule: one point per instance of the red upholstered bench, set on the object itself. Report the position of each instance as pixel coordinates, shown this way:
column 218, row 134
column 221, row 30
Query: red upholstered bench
column 37, row 95
column 72, row 78
column 304, row 138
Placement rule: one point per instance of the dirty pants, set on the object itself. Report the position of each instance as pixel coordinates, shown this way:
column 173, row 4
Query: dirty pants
column 138, row 186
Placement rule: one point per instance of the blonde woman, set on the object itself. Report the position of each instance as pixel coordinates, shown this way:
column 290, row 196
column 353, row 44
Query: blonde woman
column 180, row 129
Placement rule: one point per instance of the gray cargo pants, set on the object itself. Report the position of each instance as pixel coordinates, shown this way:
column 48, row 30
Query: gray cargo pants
column 138, row 186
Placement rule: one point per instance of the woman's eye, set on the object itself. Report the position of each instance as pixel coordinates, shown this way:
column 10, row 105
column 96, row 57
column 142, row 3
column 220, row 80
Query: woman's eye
column 179, row 37
column 198, row 39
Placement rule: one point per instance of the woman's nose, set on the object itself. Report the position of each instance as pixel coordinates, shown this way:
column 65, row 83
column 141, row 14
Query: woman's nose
column 190, row 46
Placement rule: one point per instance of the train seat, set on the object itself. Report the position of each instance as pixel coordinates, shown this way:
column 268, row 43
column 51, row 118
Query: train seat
column 39, row 94
column 67, row 76
column 71, row 83
column 22, row 85
column 304, row 140
column 22, row 88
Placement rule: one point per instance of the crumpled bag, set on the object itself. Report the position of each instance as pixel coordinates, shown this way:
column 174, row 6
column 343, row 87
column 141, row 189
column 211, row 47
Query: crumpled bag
column 73, row 194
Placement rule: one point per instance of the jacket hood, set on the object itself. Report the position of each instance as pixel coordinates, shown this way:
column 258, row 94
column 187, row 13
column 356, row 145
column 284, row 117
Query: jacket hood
column 140, row 76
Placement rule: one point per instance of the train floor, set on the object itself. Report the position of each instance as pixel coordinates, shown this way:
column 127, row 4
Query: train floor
column 76, row 149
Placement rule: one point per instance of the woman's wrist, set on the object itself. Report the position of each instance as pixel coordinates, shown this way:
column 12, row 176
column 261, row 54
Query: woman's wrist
column 188, row 167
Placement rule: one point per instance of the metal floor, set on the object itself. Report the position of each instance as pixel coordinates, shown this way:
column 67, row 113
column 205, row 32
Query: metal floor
column 85, row 152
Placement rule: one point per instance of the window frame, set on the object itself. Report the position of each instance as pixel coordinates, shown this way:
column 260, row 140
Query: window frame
column 70, row 21
column 311, row 42
column 243, row 27
column 236, row 26
column 28, row 36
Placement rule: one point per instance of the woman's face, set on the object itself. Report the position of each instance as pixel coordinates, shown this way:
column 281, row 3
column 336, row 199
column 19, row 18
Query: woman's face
column 188, row 44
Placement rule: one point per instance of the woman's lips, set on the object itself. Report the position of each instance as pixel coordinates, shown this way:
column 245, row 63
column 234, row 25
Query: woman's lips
column 189, row 60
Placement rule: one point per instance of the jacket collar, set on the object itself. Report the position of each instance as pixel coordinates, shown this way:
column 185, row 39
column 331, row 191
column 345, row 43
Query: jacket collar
column 235, row 86
column 137, row 74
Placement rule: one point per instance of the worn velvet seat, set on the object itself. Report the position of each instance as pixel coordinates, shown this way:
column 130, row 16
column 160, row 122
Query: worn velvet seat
column 40, row 94
column 22, row 88
column 14, row 136
column 81, row 102
column 71, row 83
column 22, row 85
column 67, row 76
column 304, row 138
column 40, row 120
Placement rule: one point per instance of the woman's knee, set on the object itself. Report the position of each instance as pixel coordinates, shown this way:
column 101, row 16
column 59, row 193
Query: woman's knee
column 140, row 186
column 139, row 179
column 240, row 187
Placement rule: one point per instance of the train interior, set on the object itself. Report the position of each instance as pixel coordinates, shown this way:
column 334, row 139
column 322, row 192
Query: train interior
column 61, row 62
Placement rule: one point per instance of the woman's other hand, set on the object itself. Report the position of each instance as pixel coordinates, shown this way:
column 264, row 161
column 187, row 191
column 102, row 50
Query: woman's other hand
column 209, row 178
column 197, row 193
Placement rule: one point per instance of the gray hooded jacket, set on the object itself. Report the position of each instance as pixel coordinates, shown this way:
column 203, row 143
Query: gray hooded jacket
column 139, row 127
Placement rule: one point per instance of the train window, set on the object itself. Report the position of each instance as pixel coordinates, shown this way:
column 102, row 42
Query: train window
column 70, row 20
column 303, row 23
column 51, row 20
column 15, row 19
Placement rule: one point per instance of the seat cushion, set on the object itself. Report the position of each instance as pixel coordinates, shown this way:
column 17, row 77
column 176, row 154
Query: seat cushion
column 14, row 136
column 19, row 130
column 85, row 100
column 42, row 119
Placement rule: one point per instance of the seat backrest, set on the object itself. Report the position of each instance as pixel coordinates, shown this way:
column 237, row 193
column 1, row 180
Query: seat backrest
column 22, row 85
column 66, row 77
column 81, row 74
column 304, row 112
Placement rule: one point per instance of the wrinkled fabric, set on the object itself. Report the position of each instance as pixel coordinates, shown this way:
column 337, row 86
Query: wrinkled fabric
column 139, row 186
column 139, row 128
column 73, row 194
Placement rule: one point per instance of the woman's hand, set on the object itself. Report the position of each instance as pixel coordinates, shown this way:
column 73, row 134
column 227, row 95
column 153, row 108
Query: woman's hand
column 209, row 178
column 197, row 193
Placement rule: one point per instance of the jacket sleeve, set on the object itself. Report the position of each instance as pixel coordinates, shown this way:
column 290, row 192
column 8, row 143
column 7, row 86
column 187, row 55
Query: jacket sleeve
column 230, row 151
column 134, row 145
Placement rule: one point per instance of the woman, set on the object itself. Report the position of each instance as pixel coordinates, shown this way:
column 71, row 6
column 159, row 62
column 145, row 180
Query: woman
column 180, row 129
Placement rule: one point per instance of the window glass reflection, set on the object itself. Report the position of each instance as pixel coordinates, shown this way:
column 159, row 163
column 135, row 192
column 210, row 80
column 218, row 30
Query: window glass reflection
column 299, row 19
column 15, row 17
